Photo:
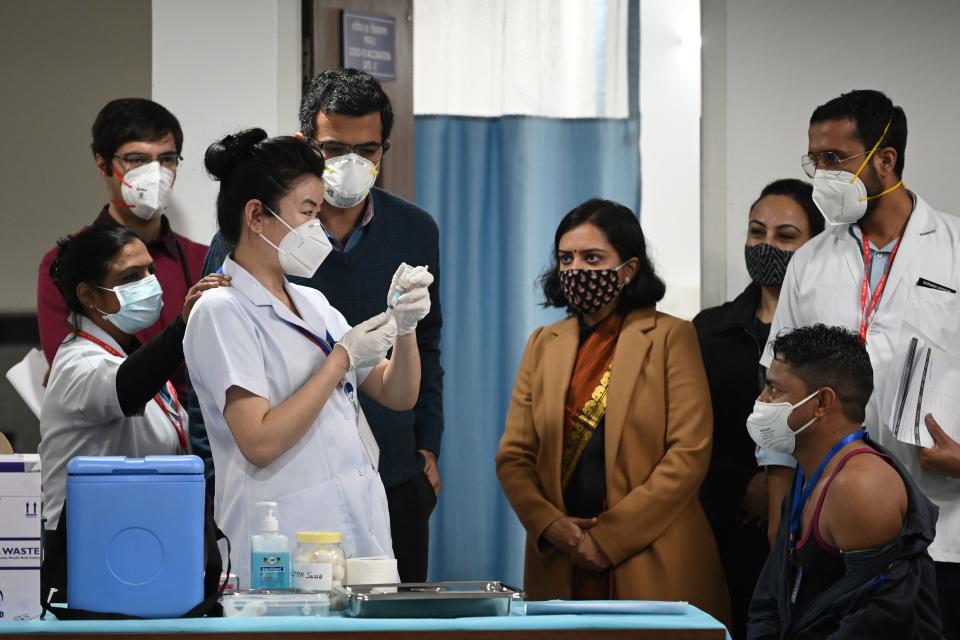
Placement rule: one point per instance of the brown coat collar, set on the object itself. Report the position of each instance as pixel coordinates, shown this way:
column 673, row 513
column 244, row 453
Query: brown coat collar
column 558, row 360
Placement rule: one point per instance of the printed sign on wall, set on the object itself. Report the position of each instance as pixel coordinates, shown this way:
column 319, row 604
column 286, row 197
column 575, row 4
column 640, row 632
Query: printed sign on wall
column 370, row 44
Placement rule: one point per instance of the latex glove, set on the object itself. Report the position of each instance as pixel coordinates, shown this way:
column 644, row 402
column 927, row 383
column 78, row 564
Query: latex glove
column 368, row 342
column 408, row 299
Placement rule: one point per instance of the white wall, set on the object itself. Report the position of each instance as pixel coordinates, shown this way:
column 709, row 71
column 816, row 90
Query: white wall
column 670, row 147
column 221, row 66
column 769, row 63
column 60, row 62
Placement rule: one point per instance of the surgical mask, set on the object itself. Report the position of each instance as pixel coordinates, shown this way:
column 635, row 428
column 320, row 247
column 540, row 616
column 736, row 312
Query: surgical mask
column 841, row 196
column 145, row 189
column 302, row 250
column 140, row 305
column 768, row 425
column 588, row 290
column 348, row 179
column 766, row 264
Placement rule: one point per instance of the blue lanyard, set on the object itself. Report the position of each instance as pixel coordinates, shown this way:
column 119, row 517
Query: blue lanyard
column 801, row 492
column 326, row 344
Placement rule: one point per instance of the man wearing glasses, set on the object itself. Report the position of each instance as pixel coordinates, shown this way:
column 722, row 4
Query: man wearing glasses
column 887, row 269
column 347, row 115
column 136, row 146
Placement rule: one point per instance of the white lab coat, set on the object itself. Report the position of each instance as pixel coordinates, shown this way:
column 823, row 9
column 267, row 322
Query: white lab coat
column 822, row 285
column 237, row 336
column 81, row 416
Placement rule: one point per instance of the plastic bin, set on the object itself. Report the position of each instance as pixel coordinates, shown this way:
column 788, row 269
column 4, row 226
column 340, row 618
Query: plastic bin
column 135, row 535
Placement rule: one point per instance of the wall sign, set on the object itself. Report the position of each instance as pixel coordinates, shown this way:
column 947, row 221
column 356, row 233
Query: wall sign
column 370, row 44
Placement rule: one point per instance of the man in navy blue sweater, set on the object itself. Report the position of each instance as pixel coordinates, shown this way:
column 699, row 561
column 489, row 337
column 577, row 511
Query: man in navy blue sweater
column 372, row 231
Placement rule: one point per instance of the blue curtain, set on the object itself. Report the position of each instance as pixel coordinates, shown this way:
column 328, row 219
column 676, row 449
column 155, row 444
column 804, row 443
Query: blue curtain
column 498, row 188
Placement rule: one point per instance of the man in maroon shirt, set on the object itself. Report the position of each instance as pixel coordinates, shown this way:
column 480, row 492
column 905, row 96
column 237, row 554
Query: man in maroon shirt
column 136, row 146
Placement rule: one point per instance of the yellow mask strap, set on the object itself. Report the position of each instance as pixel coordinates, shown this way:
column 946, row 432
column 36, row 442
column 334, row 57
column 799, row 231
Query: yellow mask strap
column 863, row 164
column 883, row 193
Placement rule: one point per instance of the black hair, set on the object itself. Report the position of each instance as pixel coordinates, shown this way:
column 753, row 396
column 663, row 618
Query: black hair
column 86, row 257
column 249, row 166
column 622, row 229
column 129, row 119
column 870, row 112
column 802, row 194
column 345, row 91
column 832, row 357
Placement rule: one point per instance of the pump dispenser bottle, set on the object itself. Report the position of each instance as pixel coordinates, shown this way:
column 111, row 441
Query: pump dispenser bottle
column 269, row 554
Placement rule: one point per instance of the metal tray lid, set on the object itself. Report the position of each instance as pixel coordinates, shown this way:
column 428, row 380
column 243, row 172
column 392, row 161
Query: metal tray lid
column 121, row 465
column 432, row 591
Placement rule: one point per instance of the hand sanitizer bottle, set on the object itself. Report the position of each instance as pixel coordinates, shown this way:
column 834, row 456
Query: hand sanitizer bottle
column 269, row 554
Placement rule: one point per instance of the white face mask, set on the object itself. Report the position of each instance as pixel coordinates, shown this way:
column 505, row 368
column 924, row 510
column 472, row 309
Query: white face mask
column 140, row 305
column 840, row 196
column 146, row 189
column 302, row 250
column 768, row 425
column 348, row 180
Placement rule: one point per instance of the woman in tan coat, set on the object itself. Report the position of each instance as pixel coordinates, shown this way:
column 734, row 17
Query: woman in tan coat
column 608, row 434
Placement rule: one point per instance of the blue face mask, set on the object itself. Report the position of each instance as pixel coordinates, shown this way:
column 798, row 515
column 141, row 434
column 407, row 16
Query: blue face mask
column 140, row 304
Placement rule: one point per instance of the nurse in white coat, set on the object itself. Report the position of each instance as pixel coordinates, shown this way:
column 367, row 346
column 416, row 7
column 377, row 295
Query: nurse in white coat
column 908, row 274
column 276, row 368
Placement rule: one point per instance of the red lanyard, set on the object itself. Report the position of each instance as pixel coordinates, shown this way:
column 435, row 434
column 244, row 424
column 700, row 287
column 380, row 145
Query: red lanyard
column 172, row 412
column 867, row 313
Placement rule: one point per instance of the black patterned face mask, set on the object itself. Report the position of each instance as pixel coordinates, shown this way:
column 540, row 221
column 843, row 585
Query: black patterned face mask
column 587, row 290
column 767, row 265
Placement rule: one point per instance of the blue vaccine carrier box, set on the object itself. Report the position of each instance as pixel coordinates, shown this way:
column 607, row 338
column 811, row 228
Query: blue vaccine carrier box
column 135, row 535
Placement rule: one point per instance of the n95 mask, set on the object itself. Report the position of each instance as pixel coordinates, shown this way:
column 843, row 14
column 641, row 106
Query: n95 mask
column 840, row 195
column 145, row 190
column 768, row 426
column 302, row 250
column 348, row 179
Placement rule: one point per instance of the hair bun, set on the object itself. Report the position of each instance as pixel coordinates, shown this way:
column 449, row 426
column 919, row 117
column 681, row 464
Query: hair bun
column 222, row 156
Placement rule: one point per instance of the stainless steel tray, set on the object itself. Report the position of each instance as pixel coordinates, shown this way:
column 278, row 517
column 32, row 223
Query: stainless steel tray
column 430, row 599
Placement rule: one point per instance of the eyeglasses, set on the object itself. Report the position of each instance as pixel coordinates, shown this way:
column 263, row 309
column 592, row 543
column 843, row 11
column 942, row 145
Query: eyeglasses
column 828, row 161
column 335, row 149
column 135, row 160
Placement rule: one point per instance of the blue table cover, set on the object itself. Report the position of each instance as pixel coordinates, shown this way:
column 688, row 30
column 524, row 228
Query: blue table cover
column 693, row 619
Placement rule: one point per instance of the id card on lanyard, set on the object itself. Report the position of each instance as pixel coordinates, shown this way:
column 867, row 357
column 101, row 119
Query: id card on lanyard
column 868, row 311
column 367, row 439
column 166, row 398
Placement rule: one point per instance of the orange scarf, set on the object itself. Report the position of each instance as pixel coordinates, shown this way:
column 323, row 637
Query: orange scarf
column 587, row 397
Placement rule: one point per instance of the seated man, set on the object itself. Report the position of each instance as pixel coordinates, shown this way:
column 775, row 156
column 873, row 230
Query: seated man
column 850, row 557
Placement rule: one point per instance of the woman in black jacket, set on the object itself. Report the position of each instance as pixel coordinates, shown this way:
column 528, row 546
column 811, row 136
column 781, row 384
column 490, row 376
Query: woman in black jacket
column 732, row 336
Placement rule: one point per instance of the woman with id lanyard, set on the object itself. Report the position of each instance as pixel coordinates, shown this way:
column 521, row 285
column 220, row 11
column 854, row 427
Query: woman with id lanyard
column 108, row 395
column 276, row 368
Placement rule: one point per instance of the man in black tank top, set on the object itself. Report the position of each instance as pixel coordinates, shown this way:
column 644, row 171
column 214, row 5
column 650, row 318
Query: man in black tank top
column 850, row 558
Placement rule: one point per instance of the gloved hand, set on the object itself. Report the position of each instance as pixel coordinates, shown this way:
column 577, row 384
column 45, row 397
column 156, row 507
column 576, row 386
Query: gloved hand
column 408, row 299
column 368, row 342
